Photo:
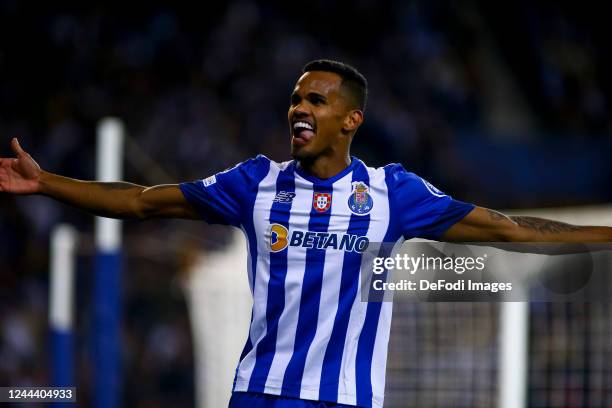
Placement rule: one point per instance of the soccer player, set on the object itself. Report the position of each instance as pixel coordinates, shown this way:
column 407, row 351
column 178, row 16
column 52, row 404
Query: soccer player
column 312, row 342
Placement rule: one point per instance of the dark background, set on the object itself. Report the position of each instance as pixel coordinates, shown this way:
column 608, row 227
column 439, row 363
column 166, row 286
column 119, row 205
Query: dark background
column 504, row 105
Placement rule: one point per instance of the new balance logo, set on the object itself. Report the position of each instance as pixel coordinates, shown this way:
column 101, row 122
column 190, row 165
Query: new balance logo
column 284, row 197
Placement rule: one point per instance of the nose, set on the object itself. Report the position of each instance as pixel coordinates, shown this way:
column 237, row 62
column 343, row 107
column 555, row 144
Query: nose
column 300, row 111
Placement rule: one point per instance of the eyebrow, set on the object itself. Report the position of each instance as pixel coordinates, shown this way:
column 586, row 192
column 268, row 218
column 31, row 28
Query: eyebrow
column 317, row 95
column 310, row 95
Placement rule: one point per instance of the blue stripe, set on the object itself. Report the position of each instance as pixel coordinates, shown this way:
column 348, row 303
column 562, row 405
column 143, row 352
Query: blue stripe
column 256, row 400
column 394, row 229
column 279, row 214
column 330, row 373
column 247, row 217
column 365, row 347
column 249, row 228
column 309, row 301
column 365, row 350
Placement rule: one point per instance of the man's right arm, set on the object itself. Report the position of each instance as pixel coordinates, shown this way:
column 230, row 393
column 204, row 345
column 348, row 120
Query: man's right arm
column 22, row 175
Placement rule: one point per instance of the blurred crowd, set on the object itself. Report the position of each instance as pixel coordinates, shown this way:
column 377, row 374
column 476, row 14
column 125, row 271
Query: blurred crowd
column 503, row 105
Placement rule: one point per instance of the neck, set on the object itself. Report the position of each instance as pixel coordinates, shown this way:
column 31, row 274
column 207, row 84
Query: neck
column 325, row 167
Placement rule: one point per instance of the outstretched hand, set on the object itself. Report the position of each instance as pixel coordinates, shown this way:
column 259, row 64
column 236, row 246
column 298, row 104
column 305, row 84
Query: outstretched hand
column 19, row 175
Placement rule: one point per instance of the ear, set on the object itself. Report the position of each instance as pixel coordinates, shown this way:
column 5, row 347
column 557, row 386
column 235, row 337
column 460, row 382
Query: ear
column 353, row 120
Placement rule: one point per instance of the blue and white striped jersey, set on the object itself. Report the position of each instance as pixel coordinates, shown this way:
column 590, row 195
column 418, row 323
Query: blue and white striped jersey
column 311, row 336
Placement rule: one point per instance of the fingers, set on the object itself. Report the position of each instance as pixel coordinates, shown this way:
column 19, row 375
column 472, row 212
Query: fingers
column 17, row 147
column 3, row 175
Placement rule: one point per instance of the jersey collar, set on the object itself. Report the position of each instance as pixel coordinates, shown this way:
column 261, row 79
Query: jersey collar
column 315, row 180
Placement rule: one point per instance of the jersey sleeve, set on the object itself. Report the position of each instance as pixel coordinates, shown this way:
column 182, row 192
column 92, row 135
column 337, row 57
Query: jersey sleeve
column 220, row 198
column 422, row 210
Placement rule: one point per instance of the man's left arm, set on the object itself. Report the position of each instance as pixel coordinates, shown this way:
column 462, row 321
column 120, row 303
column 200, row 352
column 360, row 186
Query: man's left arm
column 485, row 225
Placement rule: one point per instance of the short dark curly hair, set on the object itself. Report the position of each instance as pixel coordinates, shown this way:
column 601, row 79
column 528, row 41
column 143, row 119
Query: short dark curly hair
column 352, row 80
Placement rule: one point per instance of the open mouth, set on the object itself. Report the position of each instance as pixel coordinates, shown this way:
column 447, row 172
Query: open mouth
column 302, row 132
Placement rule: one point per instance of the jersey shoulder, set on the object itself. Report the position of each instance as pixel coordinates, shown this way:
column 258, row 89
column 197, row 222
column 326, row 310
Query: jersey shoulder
column 399, row 178
column 248, row 171
column 251, row 164
column 278, row 165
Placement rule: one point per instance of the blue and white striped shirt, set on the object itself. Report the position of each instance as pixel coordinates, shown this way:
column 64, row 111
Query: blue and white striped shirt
column 311, row 336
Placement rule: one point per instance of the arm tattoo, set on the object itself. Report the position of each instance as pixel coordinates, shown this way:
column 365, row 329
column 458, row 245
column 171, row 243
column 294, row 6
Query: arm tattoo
column 496, row 216
column 544, row 226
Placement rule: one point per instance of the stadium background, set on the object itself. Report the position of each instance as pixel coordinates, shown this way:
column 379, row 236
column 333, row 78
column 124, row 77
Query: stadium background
column 504, row 105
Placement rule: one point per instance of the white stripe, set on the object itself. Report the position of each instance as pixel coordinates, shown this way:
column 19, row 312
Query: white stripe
column 261, row 220
column 381, row 343
column 379, row 359
column 294, row 280
column 379, row 222
column 330, row 291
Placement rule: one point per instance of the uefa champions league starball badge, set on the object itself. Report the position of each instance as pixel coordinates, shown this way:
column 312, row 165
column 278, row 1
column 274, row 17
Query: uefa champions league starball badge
column 360, row 202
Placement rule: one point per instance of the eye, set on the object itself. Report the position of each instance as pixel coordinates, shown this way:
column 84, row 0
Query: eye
column 295, row 99
column 316, row 100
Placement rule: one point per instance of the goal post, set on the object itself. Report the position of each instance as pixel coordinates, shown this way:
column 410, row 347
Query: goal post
column 107, row 274
column 61, row 305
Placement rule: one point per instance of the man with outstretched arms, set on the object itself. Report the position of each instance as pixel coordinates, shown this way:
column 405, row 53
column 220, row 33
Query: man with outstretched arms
column 312, row 342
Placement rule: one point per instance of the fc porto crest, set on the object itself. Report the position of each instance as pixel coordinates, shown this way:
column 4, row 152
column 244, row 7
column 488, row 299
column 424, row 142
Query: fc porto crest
column 360, row 202
column 321, row 202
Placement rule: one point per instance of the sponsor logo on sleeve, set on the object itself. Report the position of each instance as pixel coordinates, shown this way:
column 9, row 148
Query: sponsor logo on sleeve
column 210, row 181
column 432, row 189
